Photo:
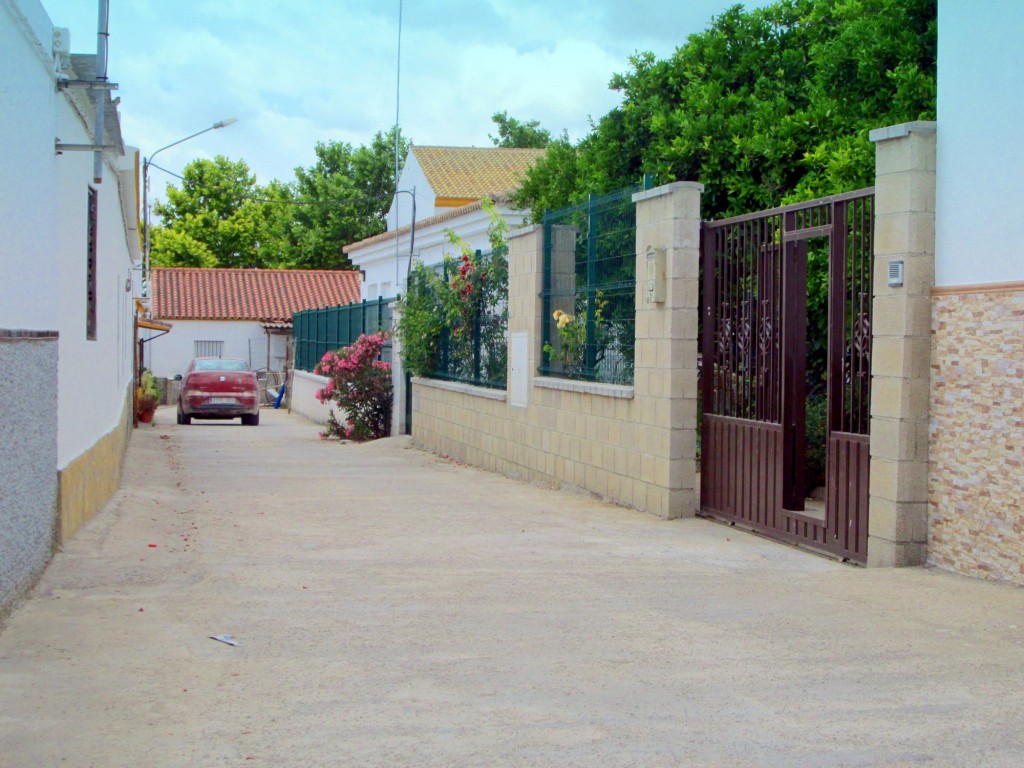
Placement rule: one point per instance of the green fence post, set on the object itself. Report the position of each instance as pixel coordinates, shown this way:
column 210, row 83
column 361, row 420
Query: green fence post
column 476, row 330
column 591, row 331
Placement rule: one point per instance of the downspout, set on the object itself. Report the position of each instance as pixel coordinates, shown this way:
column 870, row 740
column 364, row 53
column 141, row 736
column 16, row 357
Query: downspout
column 100, row 94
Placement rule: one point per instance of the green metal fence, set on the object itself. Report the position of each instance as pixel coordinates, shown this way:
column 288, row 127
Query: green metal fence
column 315, row 331
column 477, row 352
column 589, row 293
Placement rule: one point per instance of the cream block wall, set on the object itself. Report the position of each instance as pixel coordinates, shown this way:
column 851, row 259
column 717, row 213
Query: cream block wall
column 635, row 445
column 901, row 344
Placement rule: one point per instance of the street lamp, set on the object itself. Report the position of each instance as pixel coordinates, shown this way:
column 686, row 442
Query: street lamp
column 145, row 191
column 412, row 237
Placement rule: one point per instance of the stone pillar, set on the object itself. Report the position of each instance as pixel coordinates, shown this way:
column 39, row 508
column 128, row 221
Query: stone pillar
column 525, row 282
column 563, row 278
column 399, row 392
column 665, row 377
column 901, row 343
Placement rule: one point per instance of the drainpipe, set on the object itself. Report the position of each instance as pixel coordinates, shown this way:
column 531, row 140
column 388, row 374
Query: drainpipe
column 99, row 95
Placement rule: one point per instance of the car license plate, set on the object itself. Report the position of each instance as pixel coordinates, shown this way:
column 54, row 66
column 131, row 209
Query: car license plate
column 223, row 401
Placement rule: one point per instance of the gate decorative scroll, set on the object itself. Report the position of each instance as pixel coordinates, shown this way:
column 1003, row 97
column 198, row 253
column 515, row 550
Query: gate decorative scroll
column 755, row 370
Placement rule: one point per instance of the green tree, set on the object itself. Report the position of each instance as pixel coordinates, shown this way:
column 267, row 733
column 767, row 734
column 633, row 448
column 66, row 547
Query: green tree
column 212, row 220
column 764, row 107
column 518, row 134
column 340, row 199
column 220, row 217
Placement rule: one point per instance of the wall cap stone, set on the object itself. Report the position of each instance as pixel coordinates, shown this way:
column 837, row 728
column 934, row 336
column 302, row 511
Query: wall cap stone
column 1015, row 286
column 523, row 231
column 667, row 189
column 20, row 334
column 465, row 389
column 310, row 376
column 584, row 387
column 920, row 127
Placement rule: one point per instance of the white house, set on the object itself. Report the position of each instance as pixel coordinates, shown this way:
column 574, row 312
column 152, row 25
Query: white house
column 447, row 185
column 70, row 246
column 244, row 313
column 440, row 189
column 976, row 423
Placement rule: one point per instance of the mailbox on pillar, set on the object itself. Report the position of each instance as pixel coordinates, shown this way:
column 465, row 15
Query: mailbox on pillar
column 655, row 275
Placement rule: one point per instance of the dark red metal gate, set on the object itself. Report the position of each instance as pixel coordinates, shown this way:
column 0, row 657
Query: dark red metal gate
column 756, row 270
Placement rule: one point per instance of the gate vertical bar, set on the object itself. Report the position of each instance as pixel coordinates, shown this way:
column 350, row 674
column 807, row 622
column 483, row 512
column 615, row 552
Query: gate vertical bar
column 708, row 240
column 794, row 402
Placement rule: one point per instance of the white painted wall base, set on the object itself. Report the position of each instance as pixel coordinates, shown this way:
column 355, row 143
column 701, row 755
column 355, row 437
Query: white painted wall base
column 303, row 398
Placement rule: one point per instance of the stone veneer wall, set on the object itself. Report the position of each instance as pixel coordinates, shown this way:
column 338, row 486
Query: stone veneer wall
column 976, row 483
column 28, row 459
column 635, row 445
column 88, row 482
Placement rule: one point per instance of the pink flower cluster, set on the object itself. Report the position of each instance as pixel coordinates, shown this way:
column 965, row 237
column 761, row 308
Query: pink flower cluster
column 360, row 384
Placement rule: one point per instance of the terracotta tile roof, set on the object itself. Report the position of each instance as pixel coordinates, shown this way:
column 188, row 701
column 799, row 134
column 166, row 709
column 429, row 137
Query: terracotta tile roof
column 469, row 173
column 266, row 295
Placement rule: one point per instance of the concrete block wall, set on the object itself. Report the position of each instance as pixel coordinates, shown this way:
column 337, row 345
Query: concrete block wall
column 28, row 459
column 901, row 344
column 635, row 445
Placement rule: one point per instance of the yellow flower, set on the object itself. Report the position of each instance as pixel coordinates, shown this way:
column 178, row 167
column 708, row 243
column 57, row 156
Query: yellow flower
column 557, row 314
column 564, row 320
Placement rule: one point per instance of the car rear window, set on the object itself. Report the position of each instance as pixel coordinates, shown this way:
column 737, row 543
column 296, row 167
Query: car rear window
column 221, row 365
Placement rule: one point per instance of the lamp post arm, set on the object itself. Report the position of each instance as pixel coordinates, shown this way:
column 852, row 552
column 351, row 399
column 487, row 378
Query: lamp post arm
column 145, row 190
column 219, row 124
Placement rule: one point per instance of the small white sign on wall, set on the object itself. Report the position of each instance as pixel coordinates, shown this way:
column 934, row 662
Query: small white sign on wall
column 519, row 375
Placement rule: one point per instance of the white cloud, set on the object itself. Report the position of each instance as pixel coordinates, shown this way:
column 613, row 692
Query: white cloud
column 303, row 71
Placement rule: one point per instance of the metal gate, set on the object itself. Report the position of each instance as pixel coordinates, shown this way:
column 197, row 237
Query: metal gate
column 764, row 350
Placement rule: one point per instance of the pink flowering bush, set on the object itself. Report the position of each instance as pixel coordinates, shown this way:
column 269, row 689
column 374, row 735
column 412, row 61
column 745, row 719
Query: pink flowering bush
column 360, row 384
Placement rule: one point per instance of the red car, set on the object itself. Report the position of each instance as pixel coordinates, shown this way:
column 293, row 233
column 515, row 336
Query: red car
column 219, row 388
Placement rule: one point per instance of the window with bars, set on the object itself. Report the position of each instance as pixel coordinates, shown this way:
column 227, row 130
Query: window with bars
column 208, row 349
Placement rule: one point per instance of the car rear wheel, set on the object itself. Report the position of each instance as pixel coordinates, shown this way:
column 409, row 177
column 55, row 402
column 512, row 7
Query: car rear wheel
column 182, row 418
column 251, row 420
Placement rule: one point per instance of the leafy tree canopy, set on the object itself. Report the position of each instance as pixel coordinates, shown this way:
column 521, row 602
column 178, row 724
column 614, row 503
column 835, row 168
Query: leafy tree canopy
column 517, row 134
column 220, row 217
column 764, row 107
column 212, row 220
column 340, row 199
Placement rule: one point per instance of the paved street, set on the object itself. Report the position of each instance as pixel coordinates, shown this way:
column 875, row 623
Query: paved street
column 397, row 609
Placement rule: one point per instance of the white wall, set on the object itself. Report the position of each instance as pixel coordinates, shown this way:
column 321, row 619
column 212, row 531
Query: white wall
column 378, row 260
column 95, row 375
column 170, row 354
column 43, row 233
column 980, row 153
column 302, row 399
column 412, row 178
column 28, row 237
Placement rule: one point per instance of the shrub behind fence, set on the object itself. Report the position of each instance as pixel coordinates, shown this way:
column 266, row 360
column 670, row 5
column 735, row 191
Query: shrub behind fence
column 589, row 294
column 477, row 352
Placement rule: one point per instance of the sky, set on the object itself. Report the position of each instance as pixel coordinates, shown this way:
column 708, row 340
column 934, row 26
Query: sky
column 295, row 72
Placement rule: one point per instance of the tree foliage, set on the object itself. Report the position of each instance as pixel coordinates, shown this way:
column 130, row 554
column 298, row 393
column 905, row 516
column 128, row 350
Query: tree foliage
column 220, row 217
column 341, row 199
column 518, row 134
column 213, row 220
column 764, row 107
